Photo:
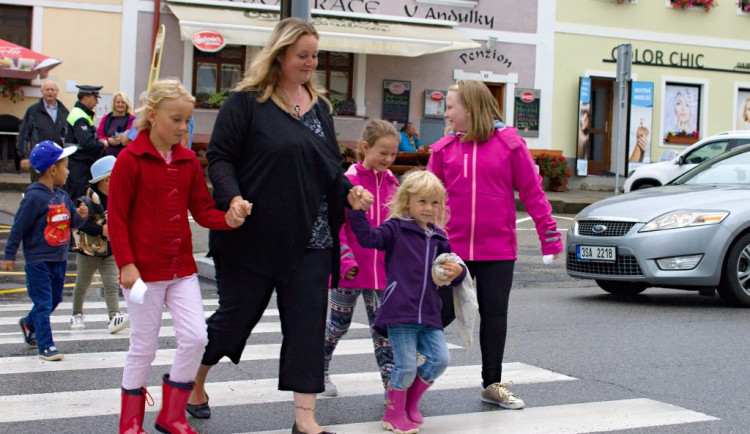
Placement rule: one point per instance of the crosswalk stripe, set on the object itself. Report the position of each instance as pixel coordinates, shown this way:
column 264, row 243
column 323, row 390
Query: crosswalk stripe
column 65, row 319
column 116, row 359
column 89, row 305
column 86, row 403
column 102, row 334
column 568, row 418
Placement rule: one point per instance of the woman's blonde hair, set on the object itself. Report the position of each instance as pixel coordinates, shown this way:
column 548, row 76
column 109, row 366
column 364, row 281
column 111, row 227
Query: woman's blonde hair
column 161, row 90
column 423, row 183
column 374, row 130
column 263, row 74
column 125, row 99
column 482, row 107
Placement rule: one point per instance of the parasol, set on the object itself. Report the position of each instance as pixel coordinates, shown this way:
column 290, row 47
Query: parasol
column 20, row 62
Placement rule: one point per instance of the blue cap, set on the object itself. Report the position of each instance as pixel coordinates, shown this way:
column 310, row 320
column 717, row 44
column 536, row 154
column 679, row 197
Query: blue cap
column 102, row 168
column 47, row 153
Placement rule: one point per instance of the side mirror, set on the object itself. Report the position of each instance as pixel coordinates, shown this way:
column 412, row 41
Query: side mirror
column 680, row 160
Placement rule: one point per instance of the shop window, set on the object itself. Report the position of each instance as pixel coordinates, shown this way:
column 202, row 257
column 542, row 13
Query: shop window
column 335, row 72
column 682, row 113
column 15, row 24
column 214, row 74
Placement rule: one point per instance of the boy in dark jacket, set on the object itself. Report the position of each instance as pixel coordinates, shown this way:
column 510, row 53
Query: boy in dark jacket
column 42, row 224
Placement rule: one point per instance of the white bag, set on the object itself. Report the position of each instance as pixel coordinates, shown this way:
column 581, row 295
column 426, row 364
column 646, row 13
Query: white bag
column 465, row 303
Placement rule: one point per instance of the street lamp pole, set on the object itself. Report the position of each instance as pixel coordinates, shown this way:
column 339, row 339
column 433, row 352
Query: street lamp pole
column 295, row 8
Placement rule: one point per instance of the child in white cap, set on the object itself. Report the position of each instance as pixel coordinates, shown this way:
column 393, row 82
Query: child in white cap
column 94, row 252
column 42, row 224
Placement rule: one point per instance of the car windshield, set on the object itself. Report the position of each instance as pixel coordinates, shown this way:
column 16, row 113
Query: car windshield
column 728, row 168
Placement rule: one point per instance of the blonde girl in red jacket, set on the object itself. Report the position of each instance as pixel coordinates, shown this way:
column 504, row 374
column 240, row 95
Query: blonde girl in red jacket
column 153, row 185
column 481, row 162
column 363, row 270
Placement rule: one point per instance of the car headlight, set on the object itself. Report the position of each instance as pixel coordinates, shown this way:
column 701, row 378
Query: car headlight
column 683, row 219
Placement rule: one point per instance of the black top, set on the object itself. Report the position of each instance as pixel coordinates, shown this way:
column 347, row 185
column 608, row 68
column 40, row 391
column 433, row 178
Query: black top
column 38, row 126
column 260, row 152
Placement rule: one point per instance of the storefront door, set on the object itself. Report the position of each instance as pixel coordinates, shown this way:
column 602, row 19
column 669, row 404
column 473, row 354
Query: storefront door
column 600, row 141
column 498, row 91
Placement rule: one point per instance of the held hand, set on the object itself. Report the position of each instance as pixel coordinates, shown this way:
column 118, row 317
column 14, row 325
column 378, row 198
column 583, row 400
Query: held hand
column 128, row 275
column 82, row 210
column 355, row 197
column 25, row 165
column 548, row 259
column 238, row 209
column 105, row 143
column 351, row 273
column 105, row 231
column 8, row 265
column 451, row 270
column 367, row 200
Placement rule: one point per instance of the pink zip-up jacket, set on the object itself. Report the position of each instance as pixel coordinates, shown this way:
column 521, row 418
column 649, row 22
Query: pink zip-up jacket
column 371, row 262
column 480, row 180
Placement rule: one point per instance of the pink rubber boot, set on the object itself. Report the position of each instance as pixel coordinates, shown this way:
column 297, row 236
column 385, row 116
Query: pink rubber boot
column 413, row 396
column 395, row 418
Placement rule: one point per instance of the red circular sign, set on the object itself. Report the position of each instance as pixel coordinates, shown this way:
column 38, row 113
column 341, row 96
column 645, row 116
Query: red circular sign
column 436, row 96
column 208, row 41
column 527, row 96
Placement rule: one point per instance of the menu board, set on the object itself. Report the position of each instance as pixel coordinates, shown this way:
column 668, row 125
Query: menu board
column 526, row 112
column 396, row 100
column 434, row 103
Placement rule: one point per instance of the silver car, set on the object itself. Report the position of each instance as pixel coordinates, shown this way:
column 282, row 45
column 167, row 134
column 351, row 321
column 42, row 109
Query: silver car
column 693, row 233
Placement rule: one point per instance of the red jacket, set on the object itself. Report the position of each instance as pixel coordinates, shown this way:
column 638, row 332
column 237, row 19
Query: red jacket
column 148, row 204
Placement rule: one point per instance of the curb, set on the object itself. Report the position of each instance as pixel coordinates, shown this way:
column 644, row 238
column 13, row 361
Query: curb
column 558, row 206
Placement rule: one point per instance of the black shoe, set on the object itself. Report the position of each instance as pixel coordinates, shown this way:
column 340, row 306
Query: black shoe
column 297, row 431
column 199, row 411
column 28, row 336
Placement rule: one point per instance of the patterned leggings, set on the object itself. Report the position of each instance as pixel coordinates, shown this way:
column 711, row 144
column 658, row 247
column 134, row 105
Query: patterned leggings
column 342, row 304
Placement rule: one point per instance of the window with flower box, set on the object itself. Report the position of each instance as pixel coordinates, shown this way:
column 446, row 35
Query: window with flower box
column 15, row 24
column 704, row 5
column 743, row 7
column 214, row 74
column 335, row 72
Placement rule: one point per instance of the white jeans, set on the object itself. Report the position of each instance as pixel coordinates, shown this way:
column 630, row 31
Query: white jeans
column 182, row 297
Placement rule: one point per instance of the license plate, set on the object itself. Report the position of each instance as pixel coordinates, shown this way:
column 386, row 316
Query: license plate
column 596, row 253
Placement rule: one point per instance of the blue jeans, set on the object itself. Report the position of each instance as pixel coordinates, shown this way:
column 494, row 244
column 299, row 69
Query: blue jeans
column 44, row 283
column 406, row 340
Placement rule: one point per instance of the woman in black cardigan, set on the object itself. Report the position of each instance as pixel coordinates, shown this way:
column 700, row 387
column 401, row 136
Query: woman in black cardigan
column 274, row 145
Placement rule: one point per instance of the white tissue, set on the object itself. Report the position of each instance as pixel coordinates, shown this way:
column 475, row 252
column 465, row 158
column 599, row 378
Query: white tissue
column 138, row 291
column 547, row 259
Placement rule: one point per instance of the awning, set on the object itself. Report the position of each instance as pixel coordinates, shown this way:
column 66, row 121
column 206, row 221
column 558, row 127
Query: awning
column 250, row 27
column 20, row 62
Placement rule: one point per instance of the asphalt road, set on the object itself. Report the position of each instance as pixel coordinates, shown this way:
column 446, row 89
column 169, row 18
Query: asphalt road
column 662, row 347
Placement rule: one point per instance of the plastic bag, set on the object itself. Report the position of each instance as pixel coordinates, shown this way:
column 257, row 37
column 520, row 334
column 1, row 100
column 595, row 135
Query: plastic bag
column 465, row 303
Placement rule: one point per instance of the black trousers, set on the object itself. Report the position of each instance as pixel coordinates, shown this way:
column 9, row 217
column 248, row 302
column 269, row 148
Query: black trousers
column 494, row 280
column 78, row 178
column 302, row 302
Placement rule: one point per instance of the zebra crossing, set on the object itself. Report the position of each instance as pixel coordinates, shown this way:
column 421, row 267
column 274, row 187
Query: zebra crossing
column 81, row 393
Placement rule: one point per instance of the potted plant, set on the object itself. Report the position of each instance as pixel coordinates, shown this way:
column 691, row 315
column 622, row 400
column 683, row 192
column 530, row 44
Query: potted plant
column 744, row 5
column 11, row 88
column 556, row 169
column 682, row 137
column 685, row 4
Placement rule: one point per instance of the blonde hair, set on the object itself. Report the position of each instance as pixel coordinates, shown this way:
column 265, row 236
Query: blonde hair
column 264, row 71
column 374, row 130
column 423, row 183
column 162, row 90
column 482, row 107
column 125, row 99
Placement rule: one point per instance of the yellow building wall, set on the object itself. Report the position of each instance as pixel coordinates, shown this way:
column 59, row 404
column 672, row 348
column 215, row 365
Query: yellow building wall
column 576, row 54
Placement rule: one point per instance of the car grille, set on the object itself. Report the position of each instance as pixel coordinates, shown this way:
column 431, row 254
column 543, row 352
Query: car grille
column 624, row 266
column 614, row 229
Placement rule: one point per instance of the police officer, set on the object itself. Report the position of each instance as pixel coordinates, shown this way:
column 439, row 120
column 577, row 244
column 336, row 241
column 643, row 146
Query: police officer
column 81, row 132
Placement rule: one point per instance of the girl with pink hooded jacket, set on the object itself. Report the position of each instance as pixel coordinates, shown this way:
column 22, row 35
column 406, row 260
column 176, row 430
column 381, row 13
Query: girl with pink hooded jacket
column 363, row 270
column 481, row 162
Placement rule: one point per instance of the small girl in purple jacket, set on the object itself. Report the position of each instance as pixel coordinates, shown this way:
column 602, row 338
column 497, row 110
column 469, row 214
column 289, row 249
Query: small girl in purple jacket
column 410, row 311
column 363, row 270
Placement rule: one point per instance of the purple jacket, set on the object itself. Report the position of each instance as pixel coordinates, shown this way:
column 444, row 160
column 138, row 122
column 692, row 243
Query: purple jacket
column 480, row 179
column 370, row 262
column 411, row 296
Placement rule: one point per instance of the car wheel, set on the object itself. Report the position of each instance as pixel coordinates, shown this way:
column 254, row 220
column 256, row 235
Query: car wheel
column 621, row 288
column 734, row 288
column 645, row 185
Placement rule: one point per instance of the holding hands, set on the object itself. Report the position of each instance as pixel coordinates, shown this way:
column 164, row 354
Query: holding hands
column 451, row 270
column 360, row 199
column 239, row 208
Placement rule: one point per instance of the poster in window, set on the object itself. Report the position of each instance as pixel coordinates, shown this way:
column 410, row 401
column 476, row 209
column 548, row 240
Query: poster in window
column 743, row 109
column 583, row 125
column 681, row 108
column 526, row 112
column 640, row 126
column 396, row 100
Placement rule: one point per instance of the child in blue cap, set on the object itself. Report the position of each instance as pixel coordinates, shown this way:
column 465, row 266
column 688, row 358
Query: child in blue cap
column 94, row 252
column 42, row 224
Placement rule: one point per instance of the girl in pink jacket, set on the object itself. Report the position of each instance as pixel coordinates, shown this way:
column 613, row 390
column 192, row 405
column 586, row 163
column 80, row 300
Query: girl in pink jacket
column 363, row 270
column 481, row 162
